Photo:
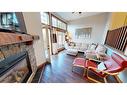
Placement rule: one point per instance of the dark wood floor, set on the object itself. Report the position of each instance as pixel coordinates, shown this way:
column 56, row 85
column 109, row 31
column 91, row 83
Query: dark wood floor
column 60, row 70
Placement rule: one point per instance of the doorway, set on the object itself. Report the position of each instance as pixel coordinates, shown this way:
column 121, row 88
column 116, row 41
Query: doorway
column 47, row 43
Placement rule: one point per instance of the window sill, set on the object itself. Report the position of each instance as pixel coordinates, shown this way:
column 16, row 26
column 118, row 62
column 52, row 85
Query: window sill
column 116, row 51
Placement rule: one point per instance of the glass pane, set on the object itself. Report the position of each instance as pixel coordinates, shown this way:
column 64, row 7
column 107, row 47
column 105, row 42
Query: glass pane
column 58, row 23
column 61, row 39
column 45, row 43
column 54, row 21
column 44, row 18
column 64, row 26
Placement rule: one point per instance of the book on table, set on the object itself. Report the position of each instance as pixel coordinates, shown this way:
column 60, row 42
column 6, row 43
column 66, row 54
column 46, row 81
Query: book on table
column 101, row 66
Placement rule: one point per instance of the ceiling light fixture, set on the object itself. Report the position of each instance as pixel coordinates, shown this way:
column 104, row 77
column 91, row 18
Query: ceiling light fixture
column 76, row 12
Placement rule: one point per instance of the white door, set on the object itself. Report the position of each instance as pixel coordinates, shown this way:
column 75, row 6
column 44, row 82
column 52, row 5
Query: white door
column 47, row 43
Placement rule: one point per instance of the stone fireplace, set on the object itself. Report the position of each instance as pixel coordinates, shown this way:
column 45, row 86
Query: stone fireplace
column 17, row 59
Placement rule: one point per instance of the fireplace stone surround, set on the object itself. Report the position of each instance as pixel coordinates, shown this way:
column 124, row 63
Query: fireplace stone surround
column 13, row 48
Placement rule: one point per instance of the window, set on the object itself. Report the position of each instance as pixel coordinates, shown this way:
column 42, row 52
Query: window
column 45, row 18
column 61, row 39
column 58, row 23
column 54, row 21
column 64, row 26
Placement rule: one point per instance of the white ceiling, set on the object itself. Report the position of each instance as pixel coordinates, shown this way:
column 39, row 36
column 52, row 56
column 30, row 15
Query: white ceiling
column 69, row 16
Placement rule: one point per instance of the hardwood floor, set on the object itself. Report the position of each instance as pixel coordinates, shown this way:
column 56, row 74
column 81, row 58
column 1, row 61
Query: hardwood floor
column 60, row 70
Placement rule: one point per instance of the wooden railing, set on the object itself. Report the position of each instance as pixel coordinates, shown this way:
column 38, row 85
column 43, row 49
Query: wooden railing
column 117, row 38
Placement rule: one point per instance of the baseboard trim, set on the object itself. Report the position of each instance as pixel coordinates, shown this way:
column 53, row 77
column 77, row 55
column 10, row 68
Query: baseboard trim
column 31, row 77
column 41, row 66
column 61, row 49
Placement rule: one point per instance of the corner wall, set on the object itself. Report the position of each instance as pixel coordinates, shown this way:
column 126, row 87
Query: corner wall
column 33, row 27
column 98, row 24
column 117, row 20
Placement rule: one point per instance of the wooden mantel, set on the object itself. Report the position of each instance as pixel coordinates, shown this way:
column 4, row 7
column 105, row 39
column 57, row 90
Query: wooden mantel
column 13, row 38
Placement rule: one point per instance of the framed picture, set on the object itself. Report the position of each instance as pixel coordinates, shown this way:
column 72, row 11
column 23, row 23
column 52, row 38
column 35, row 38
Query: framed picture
column 83, row 33
column 6, row 19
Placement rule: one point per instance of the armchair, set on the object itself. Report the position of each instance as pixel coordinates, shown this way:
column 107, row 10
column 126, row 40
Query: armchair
column 114, row 65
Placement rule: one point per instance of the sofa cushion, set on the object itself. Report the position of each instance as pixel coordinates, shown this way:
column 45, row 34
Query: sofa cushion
column 112, row 66
column 80, row 62
column 90, row 51
column 78, row 44
column 90, row 64
column 100, row 49
column 90, row 55
column 85, row 45
column 92, row 47
column 115, row 63
column 119, row 59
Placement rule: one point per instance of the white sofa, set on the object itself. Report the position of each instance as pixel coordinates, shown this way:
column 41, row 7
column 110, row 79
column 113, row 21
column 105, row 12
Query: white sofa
column 95, row 50
column 80, row 47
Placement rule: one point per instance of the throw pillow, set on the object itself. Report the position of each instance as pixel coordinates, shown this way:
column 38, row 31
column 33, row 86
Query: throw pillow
column 100, row 49
column 92, row 47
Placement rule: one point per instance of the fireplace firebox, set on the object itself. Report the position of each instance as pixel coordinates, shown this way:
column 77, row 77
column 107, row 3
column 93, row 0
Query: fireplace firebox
column 15, row 68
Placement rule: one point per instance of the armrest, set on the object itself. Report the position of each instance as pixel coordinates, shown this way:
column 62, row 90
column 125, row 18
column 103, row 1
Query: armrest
column 104, row 72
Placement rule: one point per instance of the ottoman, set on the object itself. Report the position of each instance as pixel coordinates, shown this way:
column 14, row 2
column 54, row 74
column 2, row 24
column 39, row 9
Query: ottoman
column 73, row 52
column 79, row 62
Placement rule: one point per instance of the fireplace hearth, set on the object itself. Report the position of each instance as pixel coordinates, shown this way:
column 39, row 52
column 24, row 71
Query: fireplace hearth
column 17, row 58
column 15, row 68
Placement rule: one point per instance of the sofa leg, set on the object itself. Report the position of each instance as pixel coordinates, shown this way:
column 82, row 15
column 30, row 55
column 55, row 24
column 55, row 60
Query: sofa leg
column 93, row 80
column 84, row 72
column 117, row 78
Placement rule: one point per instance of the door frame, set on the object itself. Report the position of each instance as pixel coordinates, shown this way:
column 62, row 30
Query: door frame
column 49, row 45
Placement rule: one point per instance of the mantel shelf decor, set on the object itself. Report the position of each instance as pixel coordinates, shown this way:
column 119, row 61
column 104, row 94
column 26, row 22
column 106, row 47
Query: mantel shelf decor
column 12, row 38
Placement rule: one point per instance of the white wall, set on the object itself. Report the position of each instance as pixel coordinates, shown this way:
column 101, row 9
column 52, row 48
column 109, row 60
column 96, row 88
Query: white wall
column 33, row 26
column 98, row 24
column 106, row 27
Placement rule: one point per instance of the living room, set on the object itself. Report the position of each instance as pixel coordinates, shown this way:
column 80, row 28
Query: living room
column 52, row 47
column 69, row 41
column 95, row 27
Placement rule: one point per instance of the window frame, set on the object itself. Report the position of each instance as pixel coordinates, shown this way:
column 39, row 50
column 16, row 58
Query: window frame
column 48, row 23
column 64, row 24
